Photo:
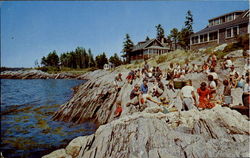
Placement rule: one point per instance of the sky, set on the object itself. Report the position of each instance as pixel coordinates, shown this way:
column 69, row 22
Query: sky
column 32, row 29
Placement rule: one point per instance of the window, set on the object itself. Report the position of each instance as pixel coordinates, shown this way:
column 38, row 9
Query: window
column 230, row 17
column 217, row 21
column 232, row 32
column 223, row 19
column 228, row 33
column 211, row 23
column 205, row 38
column 195, row 39
column 235, row 31
column 201, row 38
column 213, row 36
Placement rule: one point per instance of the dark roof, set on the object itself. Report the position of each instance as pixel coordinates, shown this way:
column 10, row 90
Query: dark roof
column 142, row 45
column 237, row 11
column 239, row 20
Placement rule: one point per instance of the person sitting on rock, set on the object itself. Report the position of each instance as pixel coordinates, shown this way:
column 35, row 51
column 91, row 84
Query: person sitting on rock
column 138, row 74
column 158, row 73
column 228, row 63
column 205, row 68
column 246, row 92
column 213, row 61
column 170, row 85
column 146, row 66
column 203, row 93
column 212, row 86
column 118, row 81
column 118, row 110
column 144, row 87
column 195, row 68
column 134, row 96
column 188, row 96
column 232, row 75
column 130, row 77
column 158, row 88
column 227, row 98
column 215, row 75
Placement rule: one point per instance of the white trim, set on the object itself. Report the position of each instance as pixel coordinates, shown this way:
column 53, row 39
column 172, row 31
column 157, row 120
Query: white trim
column 246, row 13
column 248, row 28
column 218, row 36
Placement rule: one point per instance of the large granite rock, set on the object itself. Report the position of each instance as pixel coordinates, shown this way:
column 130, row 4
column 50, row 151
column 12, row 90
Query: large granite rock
column 219, row 132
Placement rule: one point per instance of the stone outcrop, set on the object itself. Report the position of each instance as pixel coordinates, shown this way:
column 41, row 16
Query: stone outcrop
column 35, row 74
column 219, row 132
column 94, row 100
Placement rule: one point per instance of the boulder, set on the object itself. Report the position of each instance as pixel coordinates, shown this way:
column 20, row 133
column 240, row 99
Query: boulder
column 61, row 153
column 218, row 132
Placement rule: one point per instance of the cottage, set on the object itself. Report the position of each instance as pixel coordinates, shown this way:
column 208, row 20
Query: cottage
column 146, row 49
column 222, row 29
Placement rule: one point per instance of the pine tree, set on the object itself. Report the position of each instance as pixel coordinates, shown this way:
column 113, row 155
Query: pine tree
column 189, row 21
column 159, row 32
column 174, row 35
column 147, row 38
column 127, row 47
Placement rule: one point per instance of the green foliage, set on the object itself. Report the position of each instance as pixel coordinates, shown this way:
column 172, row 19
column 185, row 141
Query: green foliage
column 174, row 36
column 184, row 38
column 161, row 59
column 127, row 47
column 220, row 54
column 49, row 69
column 51, row 60
column 231, row 47
column 147, row 38
column 209, row 50
column 159, row 32
column 242, row 43
column 101, row 60
column 115, row 60
column 189, row 21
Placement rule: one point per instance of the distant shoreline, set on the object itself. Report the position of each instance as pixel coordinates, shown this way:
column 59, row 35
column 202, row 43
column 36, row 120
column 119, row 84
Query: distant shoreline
column 37, row 74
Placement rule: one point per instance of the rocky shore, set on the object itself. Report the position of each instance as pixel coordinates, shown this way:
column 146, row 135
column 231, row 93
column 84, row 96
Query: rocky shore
column 217, row 132
column 35, row 74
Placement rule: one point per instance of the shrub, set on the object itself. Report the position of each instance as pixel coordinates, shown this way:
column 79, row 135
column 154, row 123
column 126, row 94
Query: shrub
column 220, row 54
column 231, row 47
column 161, row 59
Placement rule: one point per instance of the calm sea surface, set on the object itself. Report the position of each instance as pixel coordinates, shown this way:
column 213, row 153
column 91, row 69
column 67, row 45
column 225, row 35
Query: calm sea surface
column 26, row 110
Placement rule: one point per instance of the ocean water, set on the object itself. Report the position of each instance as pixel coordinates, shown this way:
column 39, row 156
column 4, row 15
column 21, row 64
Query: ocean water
column 27, row 106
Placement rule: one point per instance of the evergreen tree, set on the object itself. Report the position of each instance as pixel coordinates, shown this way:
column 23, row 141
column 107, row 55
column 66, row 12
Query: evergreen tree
column 101, row 60
column 115, row 60
column 147, row 38
column 189, row 21
column 127, row 47
column 44, row 61
column 159, row 32
column 91, row 59
column 174, row 35
column 184, row 38
column 51, row 60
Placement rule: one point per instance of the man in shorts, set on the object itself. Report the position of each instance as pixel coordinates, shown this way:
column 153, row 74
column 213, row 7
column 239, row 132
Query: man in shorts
column 188, row 96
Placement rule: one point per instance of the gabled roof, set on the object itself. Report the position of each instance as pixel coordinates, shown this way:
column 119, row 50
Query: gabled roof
column 144, row 45
column 239, row 20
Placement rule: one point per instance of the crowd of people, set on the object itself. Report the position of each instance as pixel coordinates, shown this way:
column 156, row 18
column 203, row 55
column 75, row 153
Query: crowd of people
column 203, row 97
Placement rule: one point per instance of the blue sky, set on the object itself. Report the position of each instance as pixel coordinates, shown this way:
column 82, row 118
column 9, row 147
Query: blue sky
column 30, row 30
